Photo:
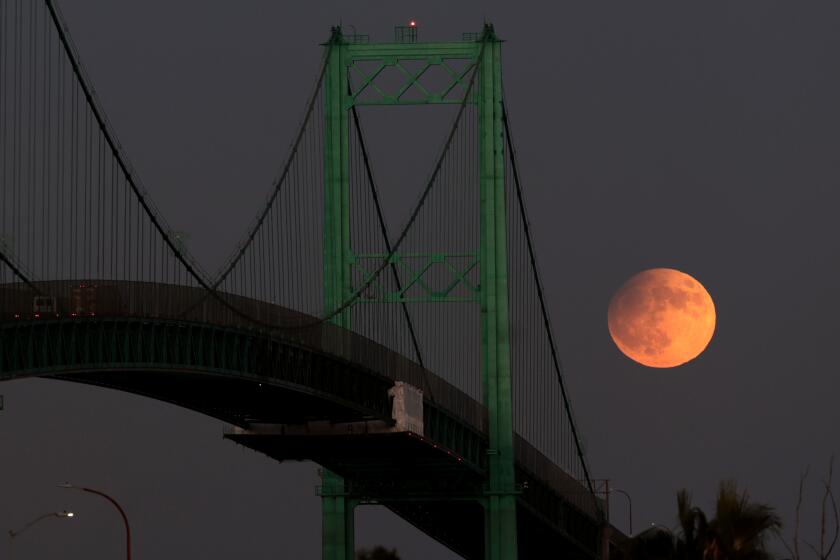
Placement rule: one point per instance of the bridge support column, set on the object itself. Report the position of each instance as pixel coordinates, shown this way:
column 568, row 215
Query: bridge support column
column 500, row 499
column 337, row 508
column 338, row 527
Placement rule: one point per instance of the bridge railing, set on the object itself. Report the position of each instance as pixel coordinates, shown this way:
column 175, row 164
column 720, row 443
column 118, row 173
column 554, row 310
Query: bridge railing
column 84, row 299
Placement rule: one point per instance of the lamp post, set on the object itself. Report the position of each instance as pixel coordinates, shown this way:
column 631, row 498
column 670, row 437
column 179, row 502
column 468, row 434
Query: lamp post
column 629, row 508
column 116, row 505
column 13, row 534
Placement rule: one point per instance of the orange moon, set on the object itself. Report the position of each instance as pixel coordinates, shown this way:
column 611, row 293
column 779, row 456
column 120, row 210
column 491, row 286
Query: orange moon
column 661, row 318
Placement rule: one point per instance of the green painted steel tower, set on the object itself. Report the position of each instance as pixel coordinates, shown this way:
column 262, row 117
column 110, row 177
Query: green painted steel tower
column 484, row 53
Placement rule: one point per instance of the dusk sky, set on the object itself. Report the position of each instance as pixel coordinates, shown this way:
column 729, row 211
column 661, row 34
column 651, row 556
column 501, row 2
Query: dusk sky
column 699, row 136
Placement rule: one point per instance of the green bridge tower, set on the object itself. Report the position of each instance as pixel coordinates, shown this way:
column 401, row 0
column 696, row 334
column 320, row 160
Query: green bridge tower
column 484, row 53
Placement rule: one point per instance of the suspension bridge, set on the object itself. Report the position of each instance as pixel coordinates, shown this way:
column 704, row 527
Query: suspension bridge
column 416, row 366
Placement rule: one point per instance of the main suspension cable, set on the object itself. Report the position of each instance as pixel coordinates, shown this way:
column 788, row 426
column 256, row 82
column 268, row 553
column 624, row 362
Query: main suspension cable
column 98, row 115
column 558, row 367
column 385, row 237
column 16, row 270
column 245, row 244
column 351, row 300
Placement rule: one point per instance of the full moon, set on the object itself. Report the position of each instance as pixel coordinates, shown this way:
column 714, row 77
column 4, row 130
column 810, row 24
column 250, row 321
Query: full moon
column 661, row 318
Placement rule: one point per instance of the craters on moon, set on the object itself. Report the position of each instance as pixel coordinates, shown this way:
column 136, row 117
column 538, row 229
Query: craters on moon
column 661, row 318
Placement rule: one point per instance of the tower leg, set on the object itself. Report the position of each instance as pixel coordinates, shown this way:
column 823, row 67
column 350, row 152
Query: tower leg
column 500, row 498
column 337, row 507
column 500, row 541
column 338, row 528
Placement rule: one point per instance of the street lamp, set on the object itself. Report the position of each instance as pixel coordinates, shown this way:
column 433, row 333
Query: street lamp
column 13, row 534
column 629, row 507
column 116, row 505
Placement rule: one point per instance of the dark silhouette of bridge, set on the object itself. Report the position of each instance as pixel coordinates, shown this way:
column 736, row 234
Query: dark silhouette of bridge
column 418, row 369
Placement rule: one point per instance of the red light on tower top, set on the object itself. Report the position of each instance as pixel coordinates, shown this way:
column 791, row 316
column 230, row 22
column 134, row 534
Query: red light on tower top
column 406, row 33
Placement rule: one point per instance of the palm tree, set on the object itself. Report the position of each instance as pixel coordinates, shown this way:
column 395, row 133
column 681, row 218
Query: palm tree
column 737, row 531
column 694, row 528
column 740, row 527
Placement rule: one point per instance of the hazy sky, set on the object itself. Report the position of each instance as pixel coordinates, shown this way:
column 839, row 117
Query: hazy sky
column 701, row 136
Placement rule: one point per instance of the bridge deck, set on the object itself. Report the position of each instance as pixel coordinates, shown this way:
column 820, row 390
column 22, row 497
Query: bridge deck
column 295, row 372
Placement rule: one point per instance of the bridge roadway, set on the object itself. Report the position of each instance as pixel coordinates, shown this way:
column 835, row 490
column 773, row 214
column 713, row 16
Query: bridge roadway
column 296, row 392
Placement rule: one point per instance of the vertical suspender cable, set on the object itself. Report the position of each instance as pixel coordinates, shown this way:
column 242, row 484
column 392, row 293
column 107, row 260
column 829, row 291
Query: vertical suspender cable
column 112, row 145
column 384, row 230
column 547, row 323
